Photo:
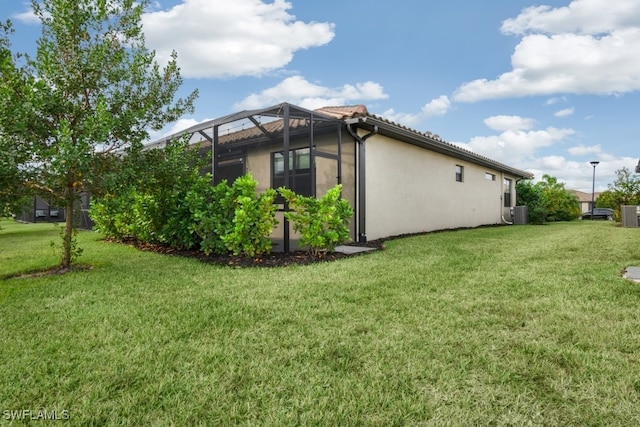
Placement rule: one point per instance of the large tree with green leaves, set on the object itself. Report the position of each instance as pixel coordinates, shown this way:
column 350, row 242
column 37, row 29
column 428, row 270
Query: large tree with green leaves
column 92, row 89
column 625, row 190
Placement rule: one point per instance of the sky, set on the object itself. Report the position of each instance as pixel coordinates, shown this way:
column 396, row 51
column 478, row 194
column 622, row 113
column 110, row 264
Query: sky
column 545, row 86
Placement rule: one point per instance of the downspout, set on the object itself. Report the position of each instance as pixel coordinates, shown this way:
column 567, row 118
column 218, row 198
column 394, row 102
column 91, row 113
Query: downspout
column 361, row 178
column 286, row 153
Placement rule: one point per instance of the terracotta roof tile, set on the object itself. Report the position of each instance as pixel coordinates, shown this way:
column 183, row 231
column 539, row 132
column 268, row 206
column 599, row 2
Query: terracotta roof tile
column 344, row 112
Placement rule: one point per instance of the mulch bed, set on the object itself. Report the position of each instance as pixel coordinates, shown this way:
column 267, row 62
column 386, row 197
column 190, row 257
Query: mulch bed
column 274, row 259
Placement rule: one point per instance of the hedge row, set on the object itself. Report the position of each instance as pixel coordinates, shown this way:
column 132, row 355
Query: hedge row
column 183, row 210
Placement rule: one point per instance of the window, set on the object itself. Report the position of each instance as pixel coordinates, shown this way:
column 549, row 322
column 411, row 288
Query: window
column 299, row 171
column 230, row 170
column 489, row 176
column 459, row 173
column 507, row 183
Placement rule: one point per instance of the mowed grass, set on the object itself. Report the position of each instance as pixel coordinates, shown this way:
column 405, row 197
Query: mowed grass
column 519, row 325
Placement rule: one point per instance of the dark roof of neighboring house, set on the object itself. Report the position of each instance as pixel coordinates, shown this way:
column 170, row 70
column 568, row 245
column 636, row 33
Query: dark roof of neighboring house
column 352, row 115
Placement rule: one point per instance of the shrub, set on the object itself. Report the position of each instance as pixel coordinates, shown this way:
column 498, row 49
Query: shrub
column 322, row 223
column 211, row 215
column 253, row 218
column 127, row 216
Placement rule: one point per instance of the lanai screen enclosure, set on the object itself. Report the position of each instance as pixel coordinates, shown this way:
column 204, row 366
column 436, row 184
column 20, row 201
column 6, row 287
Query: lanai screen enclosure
column 292, row 130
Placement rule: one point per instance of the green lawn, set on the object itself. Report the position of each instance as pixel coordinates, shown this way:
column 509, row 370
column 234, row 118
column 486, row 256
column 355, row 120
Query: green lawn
column 520, row 325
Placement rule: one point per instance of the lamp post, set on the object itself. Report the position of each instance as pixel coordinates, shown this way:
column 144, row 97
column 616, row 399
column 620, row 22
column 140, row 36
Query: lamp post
column 593, row 187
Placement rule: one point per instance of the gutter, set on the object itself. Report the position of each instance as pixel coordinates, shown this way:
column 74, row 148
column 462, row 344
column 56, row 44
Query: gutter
column 361, row 175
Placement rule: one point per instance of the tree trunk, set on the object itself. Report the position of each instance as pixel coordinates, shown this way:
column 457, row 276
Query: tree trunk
column 67, row 238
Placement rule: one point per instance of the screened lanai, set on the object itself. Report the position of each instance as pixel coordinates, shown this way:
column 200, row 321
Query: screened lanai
column 283, row 145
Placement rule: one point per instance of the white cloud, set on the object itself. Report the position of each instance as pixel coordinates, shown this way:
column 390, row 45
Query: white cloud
column 565, row 112
column 580, row 16
column 503, row 123
column 579, row 175
column 27, row 17
column 297, row 90
column 587, row 47
column 517, row 142
column 556, row 99
column 582, row 150
column 436, row 107
column 228, row 38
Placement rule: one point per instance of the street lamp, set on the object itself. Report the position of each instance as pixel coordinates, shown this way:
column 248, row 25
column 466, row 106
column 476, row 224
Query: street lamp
column 593, row 187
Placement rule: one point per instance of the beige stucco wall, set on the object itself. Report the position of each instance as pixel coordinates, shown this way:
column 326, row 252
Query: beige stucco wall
column 410, row 190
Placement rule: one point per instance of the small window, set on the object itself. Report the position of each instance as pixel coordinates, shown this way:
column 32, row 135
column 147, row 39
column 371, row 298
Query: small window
column 40, row 213
column 459, row 173
column 489, row 176
column 54, row 213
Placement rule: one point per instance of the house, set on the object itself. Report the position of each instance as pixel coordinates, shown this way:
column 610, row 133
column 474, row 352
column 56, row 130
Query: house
column 398, row 180
column 585, row 199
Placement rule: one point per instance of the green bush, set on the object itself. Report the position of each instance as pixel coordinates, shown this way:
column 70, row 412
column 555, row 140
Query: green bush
column 180, row 229
column 253, row 218
column 130, row 215
column 188, row 212
column 322, row 223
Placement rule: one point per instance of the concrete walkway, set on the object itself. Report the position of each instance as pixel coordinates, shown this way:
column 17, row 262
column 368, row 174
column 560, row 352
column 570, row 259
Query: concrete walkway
column 632, row 273
column 349, row 250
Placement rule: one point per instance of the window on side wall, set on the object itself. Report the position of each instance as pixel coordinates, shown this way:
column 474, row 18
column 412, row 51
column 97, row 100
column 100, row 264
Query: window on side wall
column 489, row 176
column 459, row 173
column 299, row 171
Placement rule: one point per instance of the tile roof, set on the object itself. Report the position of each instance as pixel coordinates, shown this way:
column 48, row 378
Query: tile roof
column 345, row 111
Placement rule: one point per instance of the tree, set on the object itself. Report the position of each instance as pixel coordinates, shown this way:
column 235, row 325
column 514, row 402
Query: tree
column 547, row 200
column 625, row 190
column 12, row 175
column 560, row 204
column 92, row 89
column 528, row 194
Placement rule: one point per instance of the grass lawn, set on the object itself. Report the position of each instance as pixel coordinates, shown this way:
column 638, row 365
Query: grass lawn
column 520, row 325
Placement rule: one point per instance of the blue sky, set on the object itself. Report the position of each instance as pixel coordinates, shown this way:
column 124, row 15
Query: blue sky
column 544, row 86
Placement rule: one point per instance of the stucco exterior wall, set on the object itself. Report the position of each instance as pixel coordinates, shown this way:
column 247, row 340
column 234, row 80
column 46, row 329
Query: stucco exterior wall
column 410, row 189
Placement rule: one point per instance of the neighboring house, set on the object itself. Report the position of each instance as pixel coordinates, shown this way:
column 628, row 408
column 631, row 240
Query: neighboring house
column 585, row 199
column 398, row 180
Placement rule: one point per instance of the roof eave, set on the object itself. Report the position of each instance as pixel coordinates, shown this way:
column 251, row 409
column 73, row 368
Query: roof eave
column 412, row 137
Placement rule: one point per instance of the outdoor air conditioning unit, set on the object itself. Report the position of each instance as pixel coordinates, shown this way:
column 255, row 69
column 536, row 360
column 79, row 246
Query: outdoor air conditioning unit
column 520, row 215
column 630, row 216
